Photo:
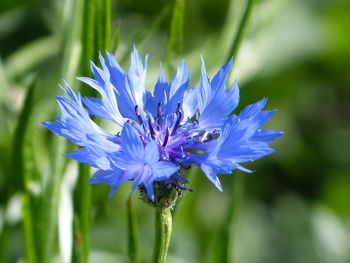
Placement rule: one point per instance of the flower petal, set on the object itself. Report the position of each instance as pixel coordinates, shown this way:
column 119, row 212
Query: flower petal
column 163, row 170
column 104, row 109
column 266, row 135
column 149, row 190
column 176, row 90
column 211, row 174
column 215, row 102
column 75, row 123
column 151, row 153
column 130, row 88
column 114, row 178
column 131, row 143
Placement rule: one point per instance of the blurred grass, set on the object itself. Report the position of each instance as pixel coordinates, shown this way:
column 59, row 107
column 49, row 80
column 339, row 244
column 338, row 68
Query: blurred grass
column 175, row 37
column 296, row 53
column 133, row 243
column 21, row 179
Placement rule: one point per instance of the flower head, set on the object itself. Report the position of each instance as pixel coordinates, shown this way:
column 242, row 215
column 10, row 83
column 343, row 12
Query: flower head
column 163, row 132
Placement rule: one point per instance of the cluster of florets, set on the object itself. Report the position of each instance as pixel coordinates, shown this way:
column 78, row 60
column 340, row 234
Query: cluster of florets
column 164, row 132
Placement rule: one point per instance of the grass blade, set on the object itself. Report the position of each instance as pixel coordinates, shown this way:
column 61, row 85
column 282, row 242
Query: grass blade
column 241, row 29
column 19, row 179
column 175, row 40
column 103, row 25
column 133, row 248
column 115, row 40
column 226, row 235
column 224, row 253
column 96, row 34
column 28, row 227
column 48, row 204
column 22, row 61
column 3, row 81
column 82, row 216
column 142, row 38
column 88, row 34
column 4, row 235
column 71, row 39
column 17, row 159
column 82, row 191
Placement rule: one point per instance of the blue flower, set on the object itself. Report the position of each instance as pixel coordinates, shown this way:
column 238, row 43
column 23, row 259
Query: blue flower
column 173, row 128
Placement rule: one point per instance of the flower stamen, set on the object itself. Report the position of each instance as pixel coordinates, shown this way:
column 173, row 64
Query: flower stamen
column 166, row 138
column 138, row 114
column 151, row 129
column 159, row 114
column 179, row 118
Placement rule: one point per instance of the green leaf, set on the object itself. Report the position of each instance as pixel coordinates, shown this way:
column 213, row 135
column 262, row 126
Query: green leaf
column 241, row 29
column 175, row 40
column 103, row 24
column 133, row 247
column 29, row 234
column 71, row 39
column 47, row 202
column 19, row 178
column 96, row 34
column 7, row 5
column 3, row 81
column 82, row 191
column 88, row 43
column 82, row 216
column 223, row 250
column 147, row 32
column 224, row 243
column 29, row 56
column 17, row 160
column 115, row 40
column 4, row 236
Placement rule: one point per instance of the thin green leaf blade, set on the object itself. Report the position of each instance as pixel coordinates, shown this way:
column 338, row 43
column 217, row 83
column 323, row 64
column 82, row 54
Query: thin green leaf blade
column 241, row 29
column 96, row 35
column 22, row 61
column 133, row 247
column 226, row 235
column 103, row 25
column 175, row 41
column 18, row 179
column 148, row 31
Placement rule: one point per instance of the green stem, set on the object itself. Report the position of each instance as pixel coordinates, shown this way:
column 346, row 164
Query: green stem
column 175, row 40
column 103, row 24
column 96, row 16
column 163, row 234
column 235, row 205
column 72, row 40
column 45, row 224
column 241, row 29
column 133, row 248
column 145, row 34
column 88, row 34
column 21, row 175
column 4, row 233
column 29, row 239
column 224, row 252
column 82, row 205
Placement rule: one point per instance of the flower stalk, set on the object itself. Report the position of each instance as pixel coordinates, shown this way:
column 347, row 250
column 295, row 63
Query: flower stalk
column 164, row 226
column 133, row 248
column 241, row 29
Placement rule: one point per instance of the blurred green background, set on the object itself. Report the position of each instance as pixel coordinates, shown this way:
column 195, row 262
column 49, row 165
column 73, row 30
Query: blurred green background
column 295, row 207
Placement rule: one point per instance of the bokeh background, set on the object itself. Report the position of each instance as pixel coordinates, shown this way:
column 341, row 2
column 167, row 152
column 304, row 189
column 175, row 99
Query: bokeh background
column 295, row 208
